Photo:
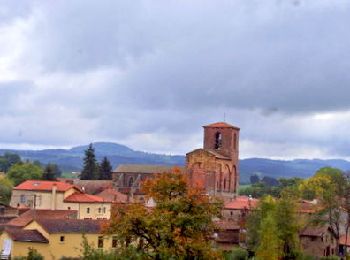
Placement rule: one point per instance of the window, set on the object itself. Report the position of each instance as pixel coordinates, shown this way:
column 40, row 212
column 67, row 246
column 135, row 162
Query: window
column 23, row 198
column 131, row 181
column 61, row 238
column 99, row 210
column 218, row 140
column 100, row 242
column 104, row 209
column 88, row 210
column 114, row 242
column 68, row 208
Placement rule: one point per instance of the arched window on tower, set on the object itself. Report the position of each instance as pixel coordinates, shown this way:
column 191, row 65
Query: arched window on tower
column 218, row 140
column 131, row 181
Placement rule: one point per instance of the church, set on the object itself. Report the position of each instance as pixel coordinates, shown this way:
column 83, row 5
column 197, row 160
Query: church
column 214, row 168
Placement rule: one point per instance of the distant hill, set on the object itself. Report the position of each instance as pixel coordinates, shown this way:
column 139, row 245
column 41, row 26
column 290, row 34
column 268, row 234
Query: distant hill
column 302, row 168
column 71, row 160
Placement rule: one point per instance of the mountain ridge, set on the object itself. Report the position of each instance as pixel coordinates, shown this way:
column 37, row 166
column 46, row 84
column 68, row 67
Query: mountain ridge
column 71, row 160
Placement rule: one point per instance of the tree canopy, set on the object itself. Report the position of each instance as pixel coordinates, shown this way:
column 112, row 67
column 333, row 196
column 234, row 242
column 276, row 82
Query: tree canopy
column 51, row 172
column 105, row 169
column 7, row 160
column 24, row 171
column 178, row 227
column 90, row 169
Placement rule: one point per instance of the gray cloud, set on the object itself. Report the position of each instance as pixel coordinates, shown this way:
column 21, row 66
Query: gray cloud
column 150, row 73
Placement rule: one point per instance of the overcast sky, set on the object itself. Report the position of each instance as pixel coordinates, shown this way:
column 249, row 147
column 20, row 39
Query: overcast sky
column 149, row 74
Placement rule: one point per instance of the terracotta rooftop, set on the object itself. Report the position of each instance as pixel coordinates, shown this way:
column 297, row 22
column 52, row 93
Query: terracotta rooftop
column 90, row 226
column 113, row 195
column 309, row 207
column 342, row 240
column 40, row 185
column 22, row 235
column 227, row 225
column 145, row 168
column 93, row 186
column 29, row 215
column 222, row 125
column 314, row 231
column 242, row 202
column 84, row 198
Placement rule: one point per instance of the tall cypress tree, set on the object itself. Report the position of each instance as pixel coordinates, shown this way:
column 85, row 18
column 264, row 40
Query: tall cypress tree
column 105, row 170
column 90, row 170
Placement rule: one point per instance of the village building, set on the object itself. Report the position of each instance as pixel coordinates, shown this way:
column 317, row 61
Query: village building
column 318, row 241
column 239, row 207
column 215, row 167
column 127, row 178
column 55, row 239
column 227, row 234
column 54, row 195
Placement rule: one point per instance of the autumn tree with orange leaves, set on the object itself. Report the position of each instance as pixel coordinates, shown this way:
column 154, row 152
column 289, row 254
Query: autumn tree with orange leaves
column 179, row 226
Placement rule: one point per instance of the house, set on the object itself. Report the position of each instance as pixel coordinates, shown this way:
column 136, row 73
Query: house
column 55, row 239
column 39, row 194
column 239, row 207
column 88, row 206
column 227, row 234
column 318, row 241
column 54, row 195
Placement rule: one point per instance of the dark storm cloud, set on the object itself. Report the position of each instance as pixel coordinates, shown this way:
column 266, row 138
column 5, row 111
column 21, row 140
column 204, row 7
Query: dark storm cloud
column 237, row 55
column 150, row 73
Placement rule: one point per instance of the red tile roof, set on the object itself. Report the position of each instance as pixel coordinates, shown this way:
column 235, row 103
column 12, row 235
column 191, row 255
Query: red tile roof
column 222, row 125
column 29, row 215
column 40, row 185
column 22, row 235
column 113, row 195
column 227, row 225
column 242, row 202
column 342, row 240
column 84, row 198
column 89, row 226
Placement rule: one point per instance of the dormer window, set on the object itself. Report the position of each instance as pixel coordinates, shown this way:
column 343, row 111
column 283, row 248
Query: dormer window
column 218, row 140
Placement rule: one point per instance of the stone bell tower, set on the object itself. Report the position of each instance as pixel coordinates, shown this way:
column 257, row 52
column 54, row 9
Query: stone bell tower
column 215, row 167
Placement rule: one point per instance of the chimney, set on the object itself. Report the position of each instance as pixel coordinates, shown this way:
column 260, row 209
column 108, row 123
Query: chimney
column 53, row 196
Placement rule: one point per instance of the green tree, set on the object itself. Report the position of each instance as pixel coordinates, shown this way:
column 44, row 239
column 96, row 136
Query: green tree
column 7, row 160
column 5, row 190
column 24, row 171
column 90, row 170
column 330, row 186
column 51, row 172
column 179, row 227
column 270, row 245
column 105, row 170
column 288, row 226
